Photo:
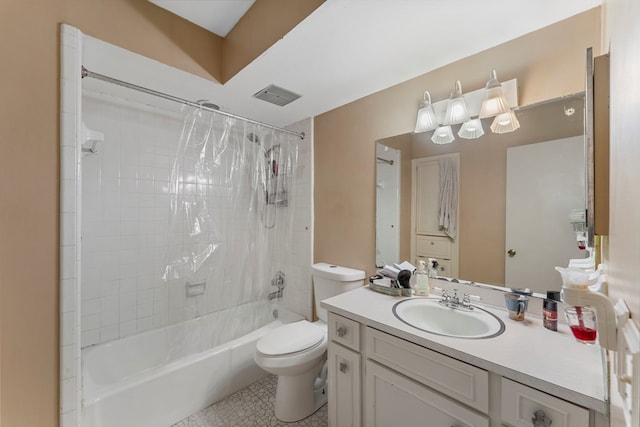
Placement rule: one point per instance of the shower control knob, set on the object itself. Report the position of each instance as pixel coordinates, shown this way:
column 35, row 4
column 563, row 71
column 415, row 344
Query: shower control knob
column 342, row 331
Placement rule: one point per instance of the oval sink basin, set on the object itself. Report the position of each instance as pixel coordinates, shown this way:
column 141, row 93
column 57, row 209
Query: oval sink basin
column 427, row 315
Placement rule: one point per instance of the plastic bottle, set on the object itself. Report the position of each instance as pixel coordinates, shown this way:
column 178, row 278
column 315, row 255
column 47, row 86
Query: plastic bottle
column 550, row 310
column 422, row 279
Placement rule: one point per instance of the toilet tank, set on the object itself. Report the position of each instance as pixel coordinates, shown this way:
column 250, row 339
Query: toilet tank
column 330, row 280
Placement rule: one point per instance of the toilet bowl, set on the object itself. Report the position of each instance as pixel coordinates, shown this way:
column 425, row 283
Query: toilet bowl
column 297, row 352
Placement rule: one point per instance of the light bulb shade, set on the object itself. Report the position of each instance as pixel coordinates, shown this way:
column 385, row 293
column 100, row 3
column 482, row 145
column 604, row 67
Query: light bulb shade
column 493, row 101
column 426, row 118
column 443, row 135
column 471, row 129
column 456, row 107
column 505, row 123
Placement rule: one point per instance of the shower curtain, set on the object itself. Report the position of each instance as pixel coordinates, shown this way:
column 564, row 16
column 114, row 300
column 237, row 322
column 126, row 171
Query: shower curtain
column 232, row 198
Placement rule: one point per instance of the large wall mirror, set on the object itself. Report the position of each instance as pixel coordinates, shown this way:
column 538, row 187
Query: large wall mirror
column 516, row 194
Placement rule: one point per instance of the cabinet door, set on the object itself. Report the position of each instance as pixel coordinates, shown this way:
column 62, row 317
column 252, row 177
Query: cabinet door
column 394, row 400
column 344, row 387
column 521, row 404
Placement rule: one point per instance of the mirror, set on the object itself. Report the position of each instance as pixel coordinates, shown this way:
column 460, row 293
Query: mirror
column 498, row 212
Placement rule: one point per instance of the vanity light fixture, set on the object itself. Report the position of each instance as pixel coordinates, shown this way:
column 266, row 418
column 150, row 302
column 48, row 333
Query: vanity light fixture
column 456, row 107
column 426, row 116
column 471, row 129
column 505, row 122
column 494, row 101
column 443, row 135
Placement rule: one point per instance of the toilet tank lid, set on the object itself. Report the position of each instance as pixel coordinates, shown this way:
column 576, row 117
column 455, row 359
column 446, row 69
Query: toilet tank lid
column 336, row 272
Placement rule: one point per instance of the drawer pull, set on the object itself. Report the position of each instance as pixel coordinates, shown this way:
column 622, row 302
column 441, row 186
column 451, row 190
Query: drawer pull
column 343, row 367
column 540, row 419
column 342, row 331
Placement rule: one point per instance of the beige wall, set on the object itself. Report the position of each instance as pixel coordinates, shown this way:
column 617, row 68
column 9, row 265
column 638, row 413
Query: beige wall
column 548, row 63
column 621, row 36
column 29, row 164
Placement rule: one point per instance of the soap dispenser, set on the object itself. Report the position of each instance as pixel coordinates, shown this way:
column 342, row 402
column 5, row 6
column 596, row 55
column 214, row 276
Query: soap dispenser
column 421, row 279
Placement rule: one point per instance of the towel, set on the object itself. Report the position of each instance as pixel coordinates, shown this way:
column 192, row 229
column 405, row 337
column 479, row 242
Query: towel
column 448, row 197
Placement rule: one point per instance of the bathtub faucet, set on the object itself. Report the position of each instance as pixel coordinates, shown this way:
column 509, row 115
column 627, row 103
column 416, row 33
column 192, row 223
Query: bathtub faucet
column 278, row 282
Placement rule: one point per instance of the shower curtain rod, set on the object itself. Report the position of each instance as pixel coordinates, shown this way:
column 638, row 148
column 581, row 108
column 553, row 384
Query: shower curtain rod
column 87, row 73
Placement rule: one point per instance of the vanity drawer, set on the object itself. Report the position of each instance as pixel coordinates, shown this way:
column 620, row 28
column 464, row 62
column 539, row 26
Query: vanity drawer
column 463, row 382
column 433, row 247
column 344, row 331
column 519, row 404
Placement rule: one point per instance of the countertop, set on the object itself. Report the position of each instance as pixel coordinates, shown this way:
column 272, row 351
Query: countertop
column 526, row 352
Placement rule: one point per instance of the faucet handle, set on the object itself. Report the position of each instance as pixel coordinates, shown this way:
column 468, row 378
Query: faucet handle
column 443, row 292
column 466, row 299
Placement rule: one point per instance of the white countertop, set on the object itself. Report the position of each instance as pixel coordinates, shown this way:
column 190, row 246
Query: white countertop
column 526, row 352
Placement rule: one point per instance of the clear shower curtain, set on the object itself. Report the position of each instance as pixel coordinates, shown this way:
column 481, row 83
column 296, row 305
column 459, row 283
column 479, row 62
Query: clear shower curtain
column 232, row 211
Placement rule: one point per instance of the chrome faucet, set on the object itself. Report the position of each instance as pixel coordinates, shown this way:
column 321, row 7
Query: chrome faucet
column 279, row 282
column 453, row 301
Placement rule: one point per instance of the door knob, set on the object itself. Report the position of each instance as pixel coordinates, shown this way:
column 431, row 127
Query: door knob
column 511, row 253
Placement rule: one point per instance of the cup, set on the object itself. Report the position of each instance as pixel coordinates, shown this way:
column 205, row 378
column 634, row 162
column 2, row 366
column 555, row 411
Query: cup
column 516, row 305
column 582, row 322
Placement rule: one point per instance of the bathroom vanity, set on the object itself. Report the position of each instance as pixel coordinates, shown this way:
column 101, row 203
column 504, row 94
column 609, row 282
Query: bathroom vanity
column 383, row 372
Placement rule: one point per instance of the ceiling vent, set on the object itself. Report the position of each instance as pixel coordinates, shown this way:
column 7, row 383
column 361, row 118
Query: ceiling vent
column 276, row 95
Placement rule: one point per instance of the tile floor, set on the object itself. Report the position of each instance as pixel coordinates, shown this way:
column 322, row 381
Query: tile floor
column 252, row 406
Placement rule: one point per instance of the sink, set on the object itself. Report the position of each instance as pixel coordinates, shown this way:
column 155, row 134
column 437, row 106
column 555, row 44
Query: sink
column 427, row 315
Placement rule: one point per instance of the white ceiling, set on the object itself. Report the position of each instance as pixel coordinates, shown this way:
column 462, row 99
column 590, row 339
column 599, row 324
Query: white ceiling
column 217, row 16
column 348, row 49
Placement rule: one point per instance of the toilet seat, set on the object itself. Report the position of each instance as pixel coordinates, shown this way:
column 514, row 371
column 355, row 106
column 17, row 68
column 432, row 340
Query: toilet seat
column 290, row 339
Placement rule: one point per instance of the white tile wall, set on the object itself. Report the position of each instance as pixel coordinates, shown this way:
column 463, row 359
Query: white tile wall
column 123, row 187
column 125, row 206
column 70, row 40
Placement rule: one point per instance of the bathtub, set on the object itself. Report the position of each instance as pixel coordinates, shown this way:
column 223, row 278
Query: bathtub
column 162, row 376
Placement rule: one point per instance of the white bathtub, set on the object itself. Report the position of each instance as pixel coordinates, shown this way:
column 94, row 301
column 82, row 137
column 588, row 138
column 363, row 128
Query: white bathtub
column 160, row 377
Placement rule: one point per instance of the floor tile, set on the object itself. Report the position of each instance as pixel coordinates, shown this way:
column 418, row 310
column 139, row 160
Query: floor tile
column 250, row 407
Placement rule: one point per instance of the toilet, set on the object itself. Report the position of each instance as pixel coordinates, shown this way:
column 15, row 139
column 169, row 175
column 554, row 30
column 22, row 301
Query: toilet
column 297, row 352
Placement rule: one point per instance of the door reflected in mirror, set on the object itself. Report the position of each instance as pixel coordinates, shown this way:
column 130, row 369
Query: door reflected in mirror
column 548, row 150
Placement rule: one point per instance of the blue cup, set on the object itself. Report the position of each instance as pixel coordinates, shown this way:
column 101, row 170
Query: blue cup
column 516, row 305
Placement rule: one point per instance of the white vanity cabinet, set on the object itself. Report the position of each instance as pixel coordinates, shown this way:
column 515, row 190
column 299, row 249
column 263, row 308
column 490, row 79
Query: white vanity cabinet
column 344, row 374
column 377, row 379
column 521, row 404
column 395, row 400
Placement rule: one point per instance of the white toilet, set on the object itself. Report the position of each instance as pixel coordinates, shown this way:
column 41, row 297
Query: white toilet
column 297, row 352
